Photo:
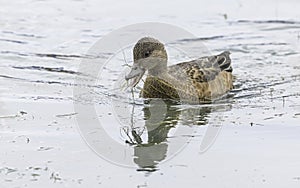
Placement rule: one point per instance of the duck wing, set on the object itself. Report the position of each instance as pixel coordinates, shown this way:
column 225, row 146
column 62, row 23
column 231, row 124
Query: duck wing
column 204, row 69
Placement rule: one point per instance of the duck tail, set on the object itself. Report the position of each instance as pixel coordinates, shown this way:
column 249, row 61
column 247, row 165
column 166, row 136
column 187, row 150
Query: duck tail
column 224, row 61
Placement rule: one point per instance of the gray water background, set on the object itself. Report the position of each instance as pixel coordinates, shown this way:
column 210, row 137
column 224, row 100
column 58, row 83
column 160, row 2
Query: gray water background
column 43, row 42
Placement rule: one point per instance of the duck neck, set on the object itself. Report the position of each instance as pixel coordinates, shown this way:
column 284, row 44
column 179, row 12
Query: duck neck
column 159, row 69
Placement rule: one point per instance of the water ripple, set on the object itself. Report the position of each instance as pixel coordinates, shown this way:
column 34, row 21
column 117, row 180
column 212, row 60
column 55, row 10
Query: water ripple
column 269, row 21
column 49, row 69
column 23, row 34
column 13, row 41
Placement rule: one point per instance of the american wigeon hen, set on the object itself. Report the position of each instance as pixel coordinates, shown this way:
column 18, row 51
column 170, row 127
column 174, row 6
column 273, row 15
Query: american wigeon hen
column 199, row 80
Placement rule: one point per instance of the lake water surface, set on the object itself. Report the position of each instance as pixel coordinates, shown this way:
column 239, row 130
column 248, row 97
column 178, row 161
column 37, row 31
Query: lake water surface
column 257, row 143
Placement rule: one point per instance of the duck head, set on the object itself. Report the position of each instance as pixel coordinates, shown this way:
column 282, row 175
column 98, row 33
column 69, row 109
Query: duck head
column 149, row 55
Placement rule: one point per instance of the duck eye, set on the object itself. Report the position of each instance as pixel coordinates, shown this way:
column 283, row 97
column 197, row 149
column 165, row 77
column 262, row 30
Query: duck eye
column 147, row 54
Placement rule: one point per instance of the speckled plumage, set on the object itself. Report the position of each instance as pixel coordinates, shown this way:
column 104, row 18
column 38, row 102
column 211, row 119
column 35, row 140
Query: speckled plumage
column 199, row 80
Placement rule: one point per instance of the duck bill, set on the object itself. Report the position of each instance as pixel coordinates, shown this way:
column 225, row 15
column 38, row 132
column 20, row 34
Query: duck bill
column 134, row 76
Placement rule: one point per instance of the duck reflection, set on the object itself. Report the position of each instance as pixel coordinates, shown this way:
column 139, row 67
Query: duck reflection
column 160, row 116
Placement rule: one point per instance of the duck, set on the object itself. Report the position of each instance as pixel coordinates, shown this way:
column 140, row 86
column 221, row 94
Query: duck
column 200, row 80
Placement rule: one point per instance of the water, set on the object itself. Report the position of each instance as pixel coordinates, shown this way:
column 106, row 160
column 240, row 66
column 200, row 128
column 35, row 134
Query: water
column 43, row 43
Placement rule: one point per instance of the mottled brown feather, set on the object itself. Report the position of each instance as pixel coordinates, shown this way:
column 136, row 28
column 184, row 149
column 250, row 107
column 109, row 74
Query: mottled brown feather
column 195, row 81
